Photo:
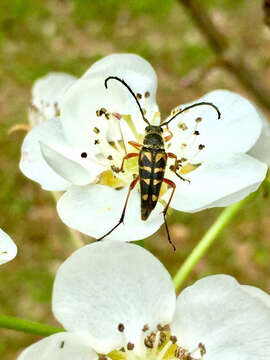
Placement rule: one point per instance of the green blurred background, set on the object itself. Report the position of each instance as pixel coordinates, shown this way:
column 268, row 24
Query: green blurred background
column 57, row 35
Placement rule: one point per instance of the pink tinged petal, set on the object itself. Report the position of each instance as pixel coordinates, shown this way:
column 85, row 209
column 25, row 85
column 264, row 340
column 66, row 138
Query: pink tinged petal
column 32, row 163
column 237, row 130
column 95, row 209
column 46, row 96
column 136, row 72
column 219, row 182
column 231, row 322
column 61, row 346
column 107, row 283
column 68, row 168
column 8, row 249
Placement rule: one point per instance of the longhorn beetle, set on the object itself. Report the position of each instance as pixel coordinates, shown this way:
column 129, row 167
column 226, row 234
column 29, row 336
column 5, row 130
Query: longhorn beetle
column 152, row 161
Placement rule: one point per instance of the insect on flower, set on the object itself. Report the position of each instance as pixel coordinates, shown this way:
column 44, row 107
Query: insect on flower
column 152, row 162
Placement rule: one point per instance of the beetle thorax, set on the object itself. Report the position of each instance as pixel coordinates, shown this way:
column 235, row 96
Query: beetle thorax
column 153, row 137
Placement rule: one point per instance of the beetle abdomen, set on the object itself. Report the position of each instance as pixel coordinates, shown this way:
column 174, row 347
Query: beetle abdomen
column 152, row 164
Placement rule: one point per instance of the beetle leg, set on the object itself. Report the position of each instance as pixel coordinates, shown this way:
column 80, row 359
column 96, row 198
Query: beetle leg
column 173, row 186
column 168, row 137
column 175, row 166
column 131, row 187
column 135, row 145
column 128, row 156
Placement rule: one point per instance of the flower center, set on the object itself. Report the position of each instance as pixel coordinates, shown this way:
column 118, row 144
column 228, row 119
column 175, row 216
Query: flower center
column 155, row 345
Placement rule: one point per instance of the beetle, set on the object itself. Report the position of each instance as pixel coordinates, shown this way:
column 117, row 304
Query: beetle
column 152, row 162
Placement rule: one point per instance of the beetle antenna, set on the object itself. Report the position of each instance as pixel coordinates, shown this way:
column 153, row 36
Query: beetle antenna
column 192, row 106
column 130, row 90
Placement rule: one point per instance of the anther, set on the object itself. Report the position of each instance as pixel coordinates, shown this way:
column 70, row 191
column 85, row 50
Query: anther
column 149, row 340
column 130, row 346
column 201, row 146
column 182, row 126
column 97, row 142
column 139, row 96
column 162, row 337
column 175, row 111
column 202, row 349
column 62, row 344
column 179, row 353
column 147, row 94
column 101, row 111
column 145, row 328
column 115, row 169
column 102, row 357
column 173, row 339
column 107, row 115
column 199, row 119
column 84, row 155
column 121, row 327
column 196, row 132
column 96, row 130
column 110, row 157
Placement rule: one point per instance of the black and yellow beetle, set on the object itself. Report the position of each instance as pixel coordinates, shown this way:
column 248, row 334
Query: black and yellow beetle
column 152, row 162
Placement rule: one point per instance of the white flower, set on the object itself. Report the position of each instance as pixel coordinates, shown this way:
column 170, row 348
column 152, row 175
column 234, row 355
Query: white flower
column 8, row 249
column 118, row 299
column 81, row 150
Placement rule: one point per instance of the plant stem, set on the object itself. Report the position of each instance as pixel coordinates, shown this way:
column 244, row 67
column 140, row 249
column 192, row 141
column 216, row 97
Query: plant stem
column 9, row 322
column 206, row 241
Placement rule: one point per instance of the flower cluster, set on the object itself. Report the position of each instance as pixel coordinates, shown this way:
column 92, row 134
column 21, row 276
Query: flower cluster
column 117, row 301
column 85, row 133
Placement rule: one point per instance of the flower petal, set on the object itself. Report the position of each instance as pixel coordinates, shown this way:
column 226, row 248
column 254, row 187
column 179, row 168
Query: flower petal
column 219, row 182
column 135, row 71
column 46, row 95
column 107, row 283
column 237, row 130
column 8, row 249
column 81, row 104
column 95, row 209
column 70, row 169
column 32, row 163
column 261, row 150
column 231, row 322
column 61, row 346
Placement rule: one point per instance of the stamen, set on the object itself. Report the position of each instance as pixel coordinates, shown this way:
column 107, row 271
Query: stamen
column 109, row 157
column 202, row 349
column 97, row 142
column 139, row 96
column 96, row 130
column 164, row 350
column 130, row 346
column 201, row 146
column 198, row 120
column 156, row 344
column 182, row 126
column 147, row 94
column 121, row 327
column 102, row 357
column 173, row 339
column 84, row 155
column 145, row 328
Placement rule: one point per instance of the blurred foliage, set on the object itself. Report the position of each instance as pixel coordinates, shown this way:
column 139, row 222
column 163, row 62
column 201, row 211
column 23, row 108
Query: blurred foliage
column 68, row 35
